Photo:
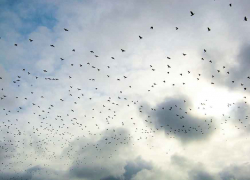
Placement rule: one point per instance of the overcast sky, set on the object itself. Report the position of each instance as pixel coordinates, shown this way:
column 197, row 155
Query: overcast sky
column 124, row 90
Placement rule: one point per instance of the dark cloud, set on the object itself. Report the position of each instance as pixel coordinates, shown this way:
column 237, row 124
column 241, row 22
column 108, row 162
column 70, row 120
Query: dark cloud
column 236, row 172
column 34, row 173
column 180, row 161
column 114, row 144
column 132, row 168
column 92, row 163
column 237, row 79
column 111, row 178
column 175, row 119
column 26, row 175
column 196, row 170
column 7, row 149
column 239, row 73
column 241, row 70
column 199, row 174
column 239, row 116
column 15, row 176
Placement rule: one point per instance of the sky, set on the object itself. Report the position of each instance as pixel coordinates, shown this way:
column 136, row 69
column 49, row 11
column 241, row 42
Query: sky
column 124, row 90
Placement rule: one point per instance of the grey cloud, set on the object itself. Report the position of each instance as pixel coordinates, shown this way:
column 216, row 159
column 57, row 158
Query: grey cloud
column 7, row 149
column 239, row 116
column 111, row 178
column 197, row 174
column 132, row 168
column 179, row 168
column 176, row 122
column 34, row 173
column 195, row 171
column 15, row 176
column 90, row 155
column 236, row 172
column 90, row 165
column 180, row 161
column 26, row 175
column 239, row 72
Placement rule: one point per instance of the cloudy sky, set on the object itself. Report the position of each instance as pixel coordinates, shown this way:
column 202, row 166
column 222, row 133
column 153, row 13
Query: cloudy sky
column 124, row 90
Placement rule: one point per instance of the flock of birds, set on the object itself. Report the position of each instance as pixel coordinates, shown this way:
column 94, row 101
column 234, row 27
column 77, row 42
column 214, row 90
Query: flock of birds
column 59, row 129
